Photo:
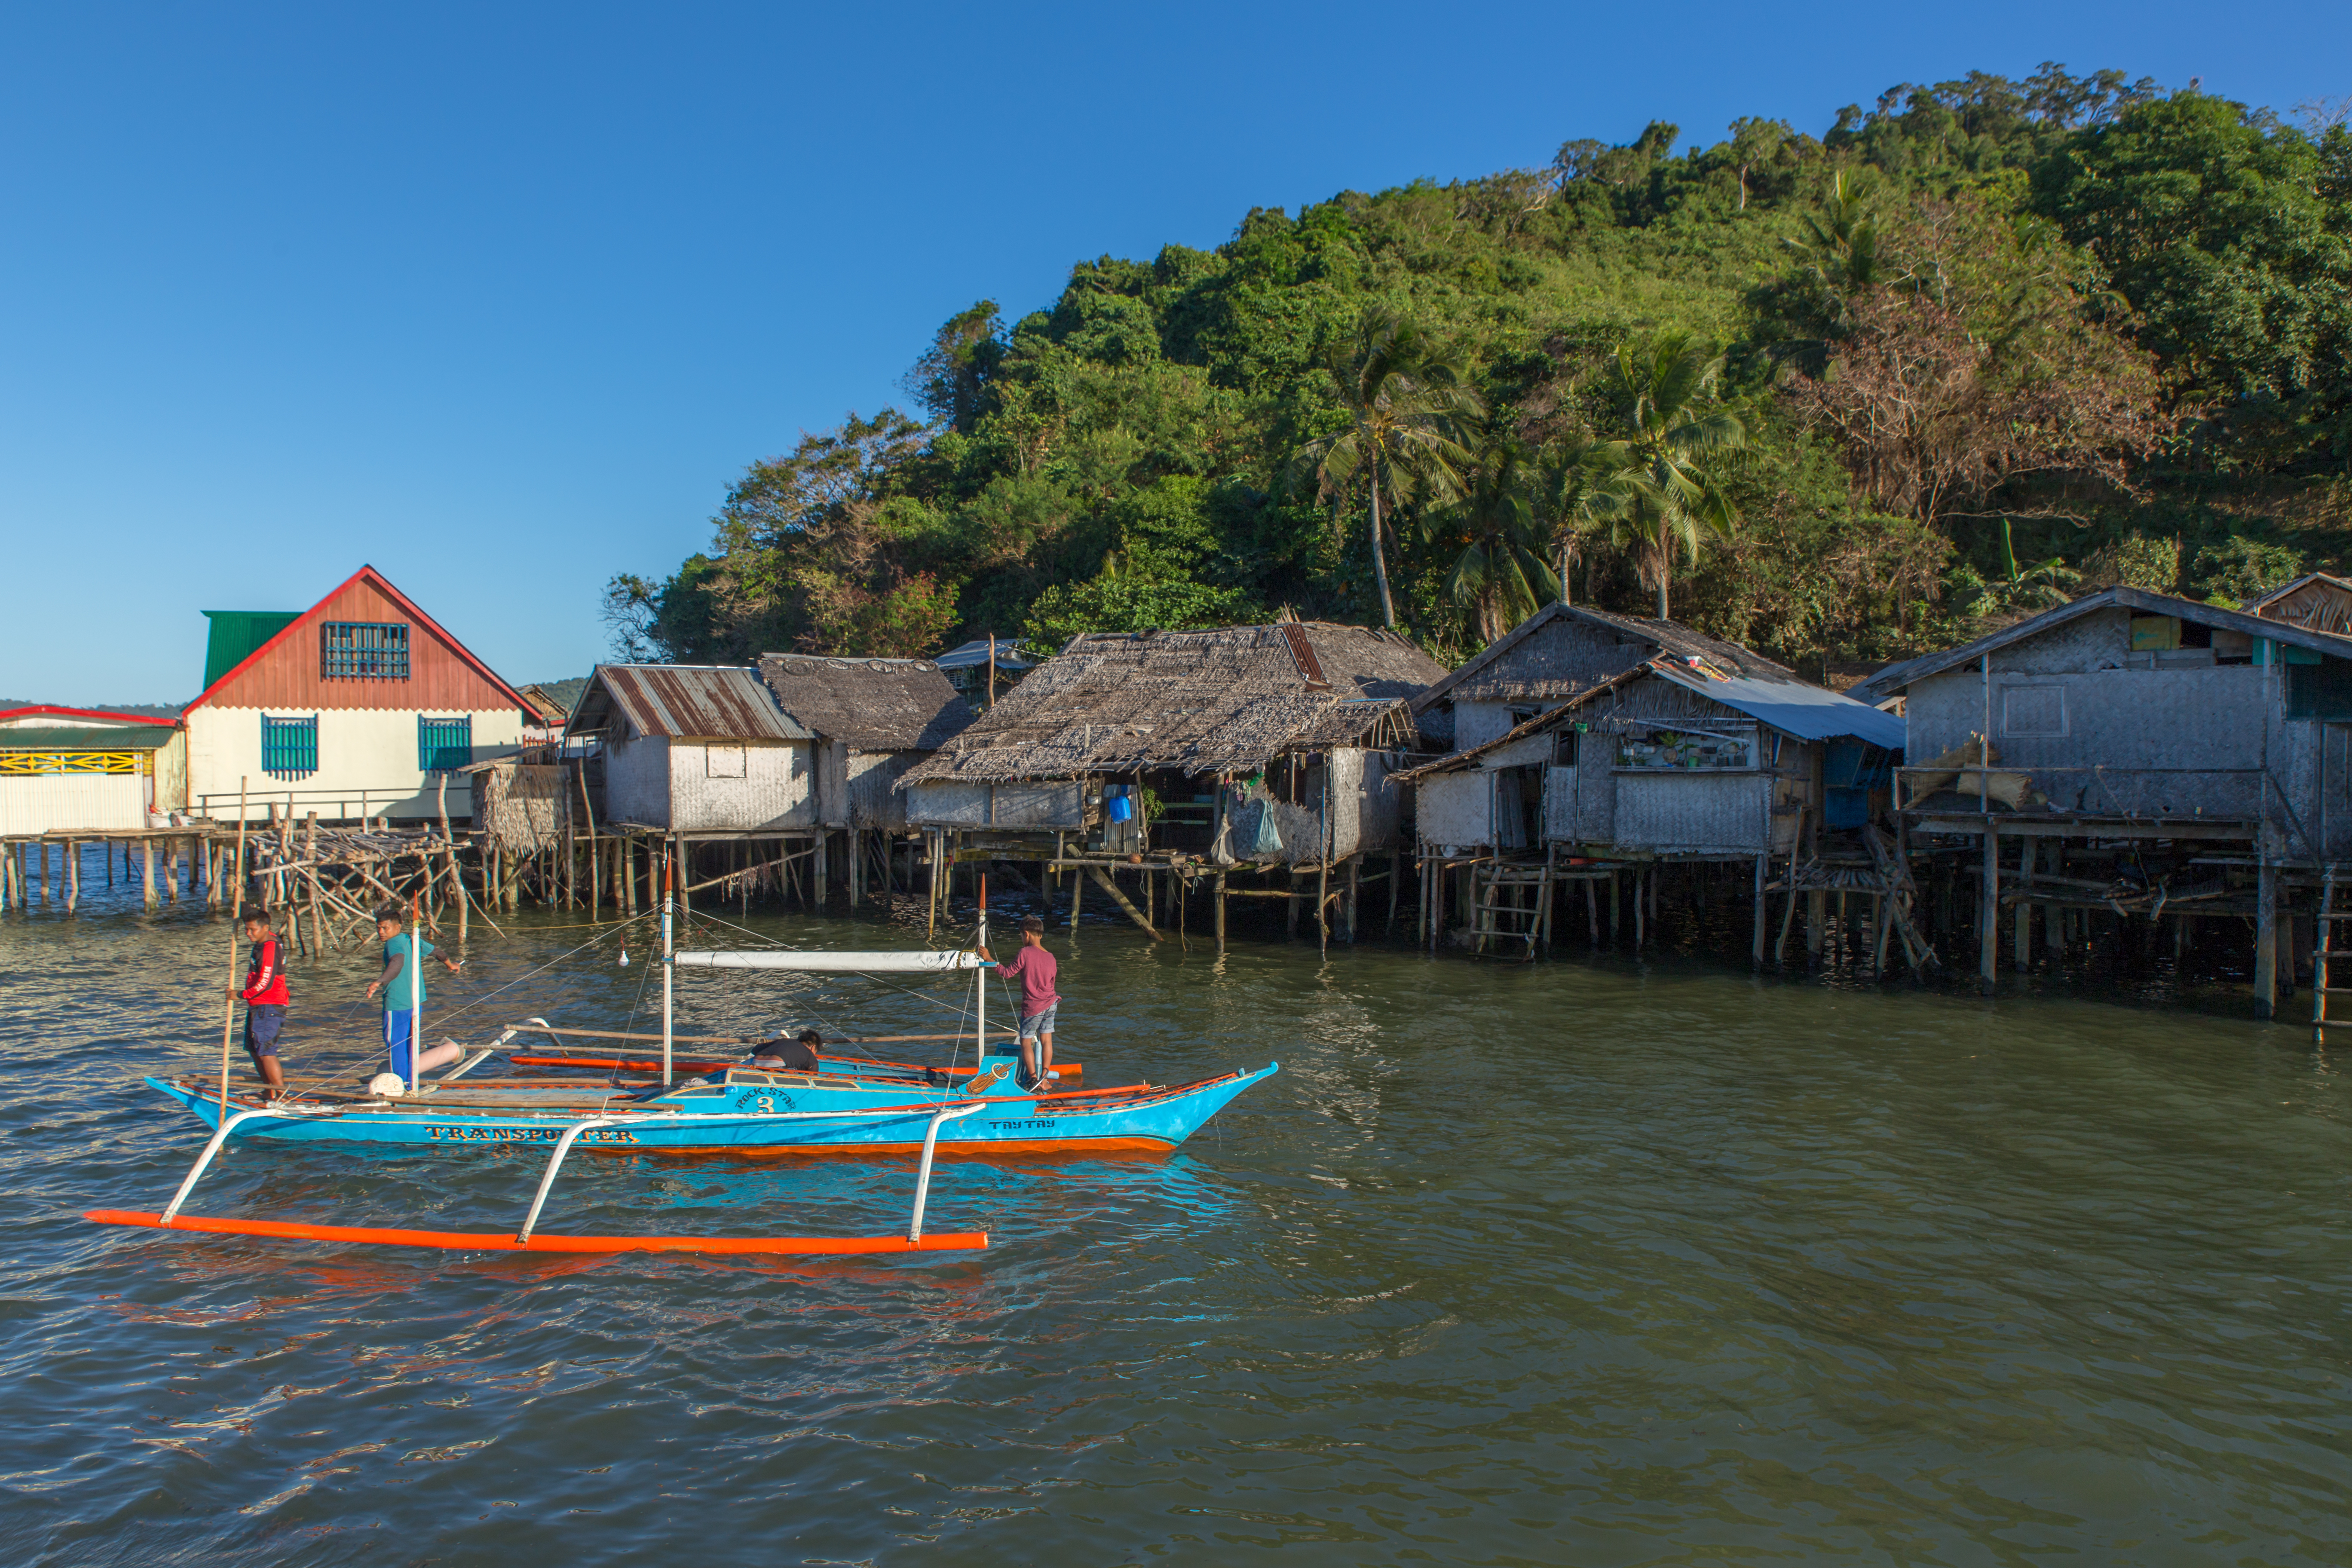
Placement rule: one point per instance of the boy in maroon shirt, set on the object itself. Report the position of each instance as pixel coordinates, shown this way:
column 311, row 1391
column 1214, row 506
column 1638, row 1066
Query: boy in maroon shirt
column 1035, row 968
column 265, row 998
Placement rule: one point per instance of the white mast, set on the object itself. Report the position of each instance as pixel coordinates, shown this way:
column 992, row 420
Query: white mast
column 415, row 992
column 669, row 967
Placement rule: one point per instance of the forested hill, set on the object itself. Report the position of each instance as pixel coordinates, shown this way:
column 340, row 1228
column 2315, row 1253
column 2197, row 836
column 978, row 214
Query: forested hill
column 1985, row 344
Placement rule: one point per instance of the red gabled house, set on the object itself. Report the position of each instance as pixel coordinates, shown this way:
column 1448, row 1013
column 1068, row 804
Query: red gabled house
column 361, row 706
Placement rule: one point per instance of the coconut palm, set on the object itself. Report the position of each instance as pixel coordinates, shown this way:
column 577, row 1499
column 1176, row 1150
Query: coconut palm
column 1569, row 472
column 1501, row 576
column 1405, row 399
column 1658, row 491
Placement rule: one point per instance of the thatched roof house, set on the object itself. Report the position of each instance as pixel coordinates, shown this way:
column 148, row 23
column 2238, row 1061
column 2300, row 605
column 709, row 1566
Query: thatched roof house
column 877, row 718
column 2315, row 601
column 1174, row 712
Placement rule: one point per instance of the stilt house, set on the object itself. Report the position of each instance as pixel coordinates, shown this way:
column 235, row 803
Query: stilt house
column 697, row 751
column 1621, row 736
column 73, row 770
column 1266, row 746
column 2315, row 601
column 1590, row 744
column 361, row 706
column 2190, row 735
column 874, row 719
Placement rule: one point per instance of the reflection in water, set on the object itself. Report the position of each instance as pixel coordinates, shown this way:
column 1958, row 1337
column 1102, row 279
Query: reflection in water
column 1583, row 1261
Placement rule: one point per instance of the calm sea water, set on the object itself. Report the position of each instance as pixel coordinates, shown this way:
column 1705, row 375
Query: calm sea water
column 1591, row 1261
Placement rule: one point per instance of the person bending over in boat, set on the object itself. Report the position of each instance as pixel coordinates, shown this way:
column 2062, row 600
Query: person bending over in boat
column 404, row 1013
column 1035, row 968
column 265, row 998
column 781, row 1055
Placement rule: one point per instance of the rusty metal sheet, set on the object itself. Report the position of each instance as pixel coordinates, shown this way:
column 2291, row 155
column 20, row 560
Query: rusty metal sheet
column 702, row 702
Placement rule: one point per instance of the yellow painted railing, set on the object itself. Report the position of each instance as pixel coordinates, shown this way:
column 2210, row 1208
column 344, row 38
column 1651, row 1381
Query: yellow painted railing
column 20, row 763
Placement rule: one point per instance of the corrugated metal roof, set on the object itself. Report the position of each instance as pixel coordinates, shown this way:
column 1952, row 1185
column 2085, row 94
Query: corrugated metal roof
column 1805, row 711
column 1010, row 655
column 1895, row 677
column 1798, row 707
column 727, row 703
column 91, row 738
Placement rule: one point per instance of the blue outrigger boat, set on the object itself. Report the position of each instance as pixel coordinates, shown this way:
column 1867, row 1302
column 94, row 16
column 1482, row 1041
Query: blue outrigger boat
column 851, row 1106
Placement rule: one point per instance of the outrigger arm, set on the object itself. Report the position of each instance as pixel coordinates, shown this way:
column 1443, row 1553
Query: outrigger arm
column 228, row 1125
column 562, row 1147
column 523, row 1240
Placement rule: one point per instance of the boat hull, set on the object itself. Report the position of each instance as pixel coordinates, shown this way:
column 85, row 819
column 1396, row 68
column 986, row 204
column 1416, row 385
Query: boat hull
column 758, row 1120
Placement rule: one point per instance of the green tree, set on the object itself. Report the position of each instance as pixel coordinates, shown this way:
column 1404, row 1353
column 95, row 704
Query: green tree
column 1405, row 400
column 1660, row 490
column 2214, row 223
column 1500, row 575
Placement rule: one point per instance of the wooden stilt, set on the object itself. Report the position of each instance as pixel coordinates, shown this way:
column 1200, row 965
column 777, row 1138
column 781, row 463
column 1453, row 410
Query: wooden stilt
column 1323, row 904
column 1120, row 898
column 1396, row 875
column 1816, row 923
column 1220, row 911
column 1756, row 952
column 147, row 895
column 2053, row 919
column 73, row 874
column 2265, row 932
column 1989, row 909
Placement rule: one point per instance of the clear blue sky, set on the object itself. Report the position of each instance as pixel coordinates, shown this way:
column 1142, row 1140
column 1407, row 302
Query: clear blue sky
column 498, row 298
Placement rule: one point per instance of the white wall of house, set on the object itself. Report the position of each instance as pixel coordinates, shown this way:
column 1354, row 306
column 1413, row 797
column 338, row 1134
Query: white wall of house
column 1029, row 807
column 73, row 802
column 1475, row 724
column 711, row 786
column 833, row 767
column 874, row 801
column 367, row 763
column 1454, row 811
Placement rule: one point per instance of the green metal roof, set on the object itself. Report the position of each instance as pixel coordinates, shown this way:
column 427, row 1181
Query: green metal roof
column 237, row 635
column 86, row 738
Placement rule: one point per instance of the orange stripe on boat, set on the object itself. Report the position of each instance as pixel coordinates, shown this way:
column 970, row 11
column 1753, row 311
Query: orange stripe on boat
column 504, row 1241
column 541, row 1059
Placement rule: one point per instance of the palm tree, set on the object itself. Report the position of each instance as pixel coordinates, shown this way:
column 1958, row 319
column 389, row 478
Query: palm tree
column 1501, row 576
column 1403, row 400
column 1656, row 489
column 1571, row 472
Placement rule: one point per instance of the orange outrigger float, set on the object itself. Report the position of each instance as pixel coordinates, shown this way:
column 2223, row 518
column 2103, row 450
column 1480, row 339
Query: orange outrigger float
column 848, row 1107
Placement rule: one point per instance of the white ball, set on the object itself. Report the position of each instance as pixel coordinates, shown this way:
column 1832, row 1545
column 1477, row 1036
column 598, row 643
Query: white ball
column 388, row 1086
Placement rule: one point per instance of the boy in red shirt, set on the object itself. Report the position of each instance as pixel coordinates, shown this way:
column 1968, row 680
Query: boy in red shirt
column 1035, row 968
column 265, row 998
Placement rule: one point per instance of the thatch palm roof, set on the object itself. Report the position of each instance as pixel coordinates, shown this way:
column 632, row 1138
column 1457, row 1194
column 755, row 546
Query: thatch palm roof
column 871, row 704
column 1230, row 699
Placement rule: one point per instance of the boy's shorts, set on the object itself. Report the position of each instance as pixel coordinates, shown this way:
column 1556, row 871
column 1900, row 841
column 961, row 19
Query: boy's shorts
column 397, row 1036
column 1037, row 1024
column 262, row 1025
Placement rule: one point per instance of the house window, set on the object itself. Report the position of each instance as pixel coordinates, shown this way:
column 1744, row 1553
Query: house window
column 723, row 762
column 1563, row 746
column 2322, row 691
column 362, row 650
column 444, row 745
column 289, row 747
column 2028, row 710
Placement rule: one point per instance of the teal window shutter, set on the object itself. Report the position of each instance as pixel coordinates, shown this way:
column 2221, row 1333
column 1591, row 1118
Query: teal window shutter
column 444, row 745
column 362, row 650
column 289, row 747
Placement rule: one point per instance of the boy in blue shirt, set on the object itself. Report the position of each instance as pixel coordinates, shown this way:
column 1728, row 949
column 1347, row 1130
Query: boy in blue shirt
column 401, row 1021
